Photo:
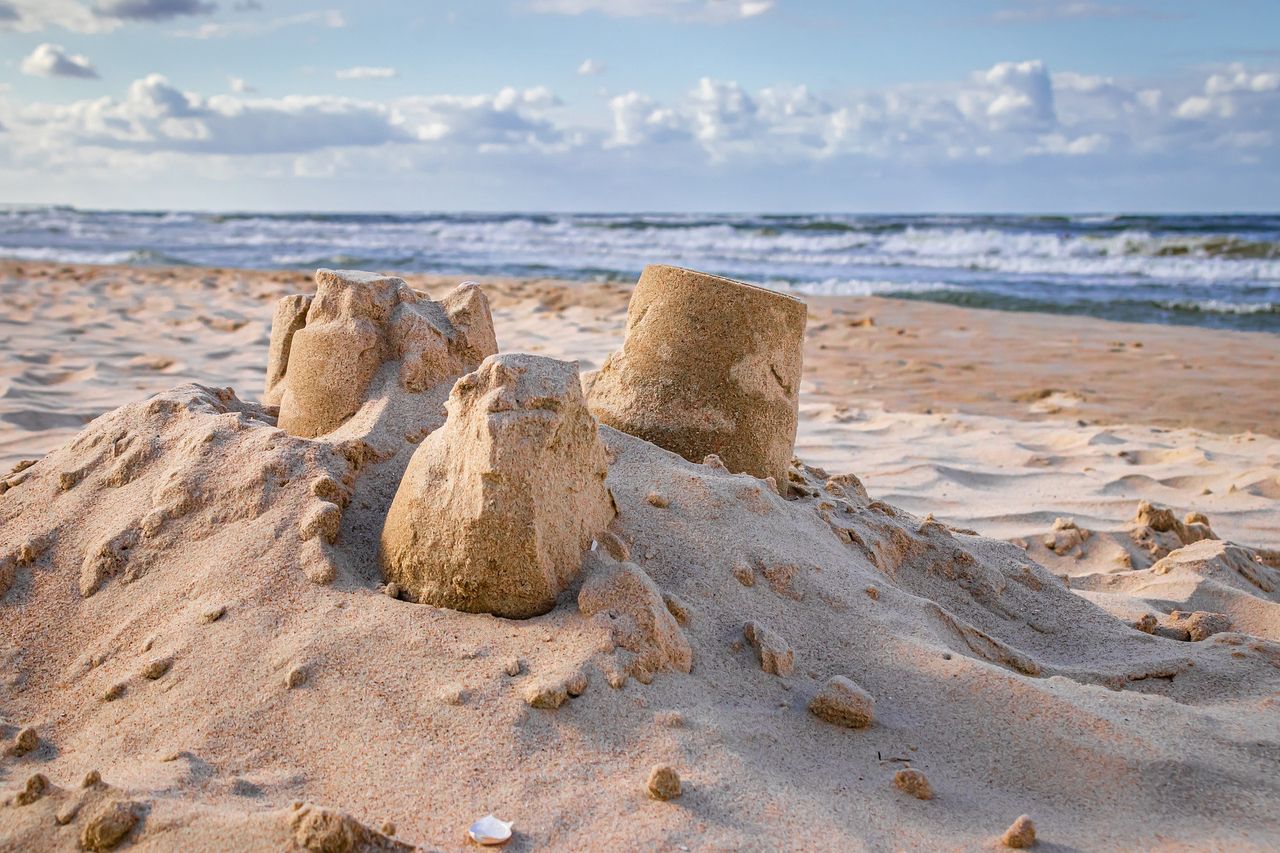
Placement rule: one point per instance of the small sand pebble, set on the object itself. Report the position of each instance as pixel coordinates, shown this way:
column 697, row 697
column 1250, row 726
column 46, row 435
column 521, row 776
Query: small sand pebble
column 844, row 703
column 295, row 677
column 614, row 546
column 576, row 684
column 388, row 828
column 454, row 695
column 392, row 590
column 109, row 826
column 213, row 614
column 873, row 593
column 1146, row 624
column 156, row 668
column 25, row 741
column 745, row 575
column 327, row 488
column 775, row 654
column 676, row 607
column 657, row 500
column 911, row 781
column 323, row 520
column 545, row 695
column 1020, row 835
column 664, row 783
column 512, row 666
column 34, row 789
column 114, row 692
column 669, row 719
column 90, row 779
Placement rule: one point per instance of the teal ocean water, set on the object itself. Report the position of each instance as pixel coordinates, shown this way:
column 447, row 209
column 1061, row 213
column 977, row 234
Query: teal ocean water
column 1206, row 270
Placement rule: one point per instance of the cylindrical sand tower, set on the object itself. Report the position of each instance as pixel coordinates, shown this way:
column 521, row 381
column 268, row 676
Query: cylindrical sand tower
column 709, row 365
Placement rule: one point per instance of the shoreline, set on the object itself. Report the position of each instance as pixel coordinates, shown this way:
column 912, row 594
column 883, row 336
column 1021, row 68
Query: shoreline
column 909, row 355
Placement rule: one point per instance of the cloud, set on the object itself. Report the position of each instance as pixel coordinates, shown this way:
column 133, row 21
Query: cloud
column 704, row 11
column 591, row 68
column 51, row 60
column 240, row 86
column 1013, row 127
column 156, row 116
column 365, row 72
column 1234, row 93
column 1041, row 11
column 328, row 18
column 151, row 10
column 29, row 16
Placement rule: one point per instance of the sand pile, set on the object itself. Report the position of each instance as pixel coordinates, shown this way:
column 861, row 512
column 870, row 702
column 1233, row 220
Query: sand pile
column 195, row 615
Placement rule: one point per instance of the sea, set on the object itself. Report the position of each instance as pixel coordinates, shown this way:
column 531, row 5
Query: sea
column 1204, row 270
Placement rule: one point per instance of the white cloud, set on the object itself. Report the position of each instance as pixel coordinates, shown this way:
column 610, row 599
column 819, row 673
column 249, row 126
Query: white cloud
column 328, row 18
column 156, row 116
column 1005, row 120
column 1238, row 79
column 706, row 11
column 1040, row 11
column 365, row 72
column 591, row 68
column 1232, row 92
column 52, row 60
column 638, row 120
column 240, row 86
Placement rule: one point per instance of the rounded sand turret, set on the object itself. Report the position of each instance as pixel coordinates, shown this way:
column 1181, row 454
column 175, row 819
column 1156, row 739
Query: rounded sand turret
column 709, row 366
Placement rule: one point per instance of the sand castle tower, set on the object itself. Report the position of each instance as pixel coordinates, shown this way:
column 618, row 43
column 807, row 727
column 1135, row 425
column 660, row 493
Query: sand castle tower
column 498, row 505
column 332, row 352
column 709, row 365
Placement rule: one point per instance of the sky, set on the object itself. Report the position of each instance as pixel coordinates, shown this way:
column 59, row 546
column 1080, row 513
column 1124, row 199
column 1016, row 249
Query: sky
column 654, row 105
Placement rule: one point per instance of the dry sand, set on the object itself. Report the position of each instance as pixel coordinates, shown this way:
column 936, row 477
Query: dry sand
column 172, row 623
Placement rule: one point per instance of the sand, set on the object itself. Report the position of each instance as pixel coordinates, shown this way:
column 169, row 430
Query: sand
column 175, row 622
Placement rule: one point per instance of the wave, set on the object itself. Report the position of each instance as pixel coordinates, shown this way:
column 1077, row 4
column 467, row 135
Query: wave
column 1210, row 268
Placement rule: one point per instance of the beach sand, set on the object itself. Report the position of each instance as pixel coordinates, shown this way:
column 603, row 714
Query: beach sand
column 1021, row 618
column 990, row 420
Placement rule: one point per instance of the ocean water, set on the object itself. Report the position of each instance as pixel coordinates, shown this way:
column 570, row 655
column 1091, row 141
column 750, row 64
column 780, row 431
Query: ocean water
column 1206, row 270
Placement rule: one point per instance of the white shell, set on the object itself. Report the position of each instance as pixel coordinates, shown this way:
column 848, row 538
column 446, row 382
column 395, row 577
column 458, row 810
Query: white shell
column 490, row 831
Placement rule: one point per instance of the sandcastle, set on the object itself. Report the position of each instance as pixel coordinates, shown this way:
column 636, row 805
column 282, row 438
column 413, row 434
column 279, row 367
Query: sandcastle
column 709, row 366
column 497, row 506
column 192, row 608
column 328, row 350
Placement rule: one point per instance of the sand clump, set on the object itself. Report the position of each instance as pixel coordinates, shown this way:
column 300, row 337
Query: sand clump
column 625, row 601
column 843, row 702
column 497, row 507
column 775, row 654
column 1021, row 834
column 911, row 781
column 709, row 366
column 664, row 783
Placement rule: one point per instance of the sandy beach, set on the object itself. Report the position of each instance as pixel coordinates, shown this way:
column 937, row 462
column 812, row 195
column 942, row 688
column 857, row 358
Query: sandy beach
column 992, row 420
column 1061, row 587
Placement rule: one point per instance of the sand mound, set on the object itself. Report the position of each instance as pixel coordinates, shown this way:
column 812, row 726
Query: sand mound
column 194, row 609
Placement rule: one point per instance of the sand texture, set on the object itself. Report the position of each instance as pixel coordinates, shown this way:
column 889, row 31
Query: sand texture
column 201, row 650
